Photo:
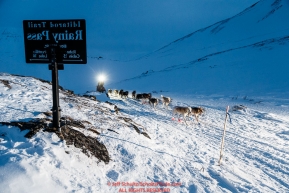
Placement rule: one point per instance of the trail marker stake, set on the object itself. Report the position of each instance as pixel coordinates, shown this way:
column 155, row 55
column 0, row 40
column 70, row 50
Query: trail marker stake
column 223, row 138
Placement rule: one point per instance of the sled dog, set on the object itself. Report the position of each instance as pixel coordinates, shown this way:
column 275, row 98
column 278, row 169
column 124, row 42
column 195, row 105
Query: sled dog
column 153, row 102
column 109, row 91
column 185, row 111
column 196, row 111
column 124, row 94
column 143, row 97
column 147, row 95
column 133, row 94
column 166, row 101
column 120, row 93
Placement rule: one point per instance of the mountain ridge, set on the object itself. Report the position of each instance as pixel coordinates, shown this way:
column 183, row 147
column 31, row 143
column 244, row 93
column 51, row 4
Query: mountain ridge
column 212, row 41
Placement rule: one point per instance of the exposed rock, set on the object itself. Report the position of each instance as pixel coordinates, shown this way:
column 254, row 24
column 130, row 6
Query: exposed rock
column 135, row 126
column 90, row 146
column 33, row 126
column 92, row 97
column 6, row 83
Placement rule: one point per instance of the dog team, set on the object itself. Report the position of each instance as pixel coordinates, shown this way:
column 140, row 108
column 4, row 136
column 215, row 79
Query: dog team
column 144, row 97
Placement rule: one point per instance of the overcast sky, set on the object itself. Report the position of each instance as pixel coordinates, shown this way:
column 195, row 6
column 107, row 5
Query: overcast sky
column 126, row 27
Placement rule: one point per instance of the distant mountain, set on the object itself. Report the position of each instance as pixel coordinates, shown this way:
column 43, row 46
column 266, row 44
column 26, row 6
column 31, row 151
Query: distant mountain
column 246, row 53
column 259, row 22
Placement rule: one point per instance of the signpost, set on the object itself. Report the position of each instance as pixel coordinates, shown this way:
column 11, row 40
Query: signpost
column 56, row 42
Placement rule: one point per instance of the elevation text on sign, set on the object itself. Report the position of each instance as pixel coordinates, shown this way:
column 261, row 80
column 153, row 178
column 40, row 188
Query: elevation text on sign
column 68, row 37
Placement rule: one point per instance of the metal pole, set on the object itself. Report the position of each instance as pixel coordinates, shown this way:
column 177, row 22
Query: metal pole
column 55, row 91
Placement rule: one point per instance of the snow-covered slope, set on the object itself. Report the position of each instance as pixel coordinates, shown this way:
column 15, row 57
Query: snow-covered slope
column 255, row 156
column 263, row 20
column 246, row 53
column 258, row 69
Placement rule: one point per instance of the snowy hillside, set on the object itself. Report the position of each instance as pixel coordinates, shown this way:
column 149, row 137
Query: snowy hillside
column 244, row 54
column 117, row 145
column 260, row 22
column 146, row 148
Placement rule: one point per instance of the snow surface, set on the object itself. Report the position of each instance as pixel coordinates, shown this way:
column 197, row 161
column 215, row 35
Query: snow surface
column 255, row 155
column 239, row 61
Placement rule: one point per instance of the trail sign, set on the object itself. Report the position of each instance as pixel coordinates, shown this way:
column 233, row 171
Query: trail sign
column 56, row 42
column 67, row 37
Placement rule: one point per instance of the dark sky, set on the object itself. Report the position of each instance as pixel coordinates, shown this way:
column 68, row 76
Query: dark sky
column 116, row 29
column 126, row 27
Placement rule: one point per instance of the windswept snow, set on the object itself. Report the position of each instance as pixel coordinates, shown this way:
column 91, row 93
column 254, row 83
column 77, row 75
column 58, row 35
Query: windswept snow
column 255, row 156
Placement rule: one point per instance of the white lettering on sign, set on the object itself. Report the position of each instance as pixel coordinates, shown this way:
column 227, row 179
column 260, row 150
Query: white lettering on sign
column 71, row 51
column 63, row 46
column 67, row 36
column 74, row 56
column 44, row 35
column 40, row 54
column 43, row 56
column 38, row 36
column 65, row 24
column 53, row 25
column 36, row 25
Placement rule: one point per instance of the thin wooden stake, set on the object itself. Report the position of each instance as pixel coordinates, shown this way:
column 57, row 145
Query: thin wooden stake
column 223, row 138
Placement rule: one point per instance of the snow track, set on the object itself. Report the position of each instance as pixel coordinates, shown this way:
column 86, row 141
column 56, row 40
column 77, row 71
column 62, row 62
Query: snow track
column 255, row 155
column 254, row 146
